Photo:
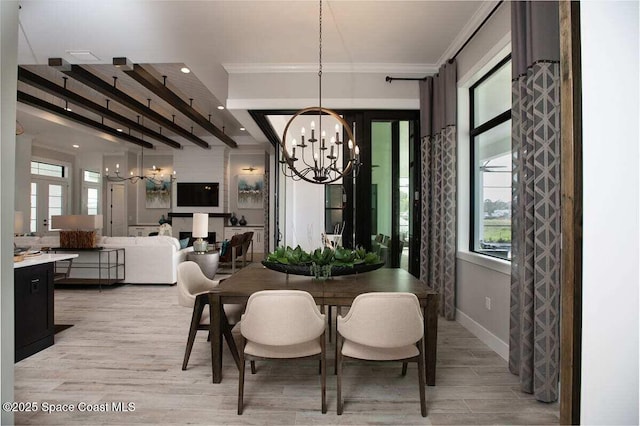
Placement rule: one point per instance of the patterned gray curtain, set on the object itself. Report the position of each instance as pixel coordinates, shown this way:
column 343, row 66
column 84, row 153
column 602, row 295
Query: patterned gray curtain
column 438, row 109
column 535, row 264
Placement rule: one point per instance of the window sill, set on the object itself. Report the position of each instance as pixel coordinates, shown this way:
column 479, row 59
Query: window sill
column 498, row 265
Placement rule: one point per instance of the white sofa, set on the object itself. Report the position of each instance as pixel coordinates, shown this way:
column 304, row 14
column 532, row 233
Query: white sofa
column 148, row 260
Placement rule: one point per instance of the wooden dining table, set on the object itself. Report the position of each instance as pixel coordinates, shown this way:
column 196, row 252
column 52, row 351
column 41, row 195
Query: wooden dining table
column 336, row 291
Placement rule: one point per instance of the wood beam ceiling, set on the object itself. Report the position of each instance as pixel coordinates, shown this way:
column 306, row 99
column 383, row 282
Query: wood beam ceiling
column 33, row 101
column 89, row 79
column 146, row 79
column 45, row 85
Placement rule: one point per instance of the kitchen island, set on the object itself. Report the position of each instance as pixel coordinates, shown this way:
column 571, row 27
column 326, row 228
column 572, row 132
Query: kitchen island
column 33, row 302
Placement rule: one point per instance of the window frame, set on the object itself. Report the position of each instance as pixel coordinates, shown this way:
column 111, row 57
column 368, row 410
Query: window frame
column 475, row 131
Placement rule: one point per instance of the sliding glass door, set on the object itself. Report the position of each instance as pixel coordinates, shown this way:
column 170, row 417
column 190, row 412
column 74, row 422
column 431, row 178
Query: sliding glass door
column 386, row 216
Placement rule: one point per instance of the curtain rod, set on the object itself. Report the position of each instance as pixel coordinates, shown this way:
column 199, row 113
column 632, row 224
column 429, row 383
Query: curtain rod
column 390, row 79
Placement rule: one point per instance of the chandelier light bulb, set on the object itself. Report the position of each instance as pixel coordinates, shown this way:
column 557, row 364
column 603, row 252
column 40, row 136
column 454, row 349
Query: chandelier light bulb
column 302, row 131
column 117, row 166
column 106, row 170
column 293, row 143
column 130, row 173
column 333, row 140
column 313, row 125
column 350, row 144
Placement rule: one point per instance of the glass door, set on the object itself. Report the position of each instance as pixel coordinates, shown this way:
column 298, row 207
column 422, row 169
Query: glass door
column 47, row 199
column 391, row 212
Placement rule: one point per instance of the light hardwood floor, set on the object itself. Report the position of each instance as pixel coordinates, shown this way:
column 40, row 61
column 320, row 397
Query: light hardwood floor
column 127, row 344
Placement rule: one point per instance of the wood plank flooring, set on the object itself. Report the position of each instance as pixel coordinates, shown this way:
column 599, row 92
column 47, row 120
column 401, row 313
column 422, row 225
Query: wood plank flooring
column 127, row 343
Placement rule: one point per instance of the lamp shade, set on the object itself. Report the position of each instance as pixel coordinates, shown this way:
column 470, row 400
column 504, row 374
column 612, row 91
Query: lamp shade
column 18, row 223
column 77, row 221
column 200, row 225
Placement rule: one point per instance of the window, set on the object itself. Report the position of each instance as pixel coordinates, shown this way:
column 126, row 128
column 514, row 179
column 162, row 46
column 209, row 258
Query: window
column 490, row 101
column 47, row 169
column 90, row 192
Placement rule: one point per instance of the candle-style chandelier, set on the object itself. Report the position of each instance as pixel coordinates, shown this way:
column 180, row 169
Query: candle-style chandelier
column 156, row 178
column 317, row 160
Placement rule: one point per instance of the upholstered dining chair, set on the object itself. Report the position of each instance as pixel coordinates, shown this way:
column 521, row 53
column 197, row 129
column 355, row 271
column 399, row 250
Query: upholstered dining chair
column 192, row 282
column 282, row 324
column 383, row 327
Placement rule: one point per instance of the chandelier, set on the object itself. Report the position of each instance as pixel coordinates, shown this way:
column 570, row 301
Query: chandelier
column 153, row 180
column 318, row 160
column 156, row 178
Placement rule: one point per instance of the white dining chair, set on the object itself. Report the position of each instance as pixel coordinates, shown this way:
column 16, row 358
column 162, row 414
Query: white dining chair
column 192, row 282
column 282, row 324
column 382, row 327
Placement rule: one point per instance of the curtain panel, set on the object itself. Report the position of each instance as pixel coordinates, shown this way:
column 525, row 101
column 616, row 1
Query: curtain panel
column 438, row 109
column 535, row 264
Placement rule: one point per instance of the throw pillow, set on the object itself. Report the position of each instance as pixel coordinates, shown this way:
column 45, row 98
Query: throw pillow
column 184, row 243
column 224, row 247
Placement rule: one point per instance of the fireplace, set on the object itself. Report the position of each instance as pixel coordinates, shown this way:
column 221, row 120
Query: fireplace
column 211, row 238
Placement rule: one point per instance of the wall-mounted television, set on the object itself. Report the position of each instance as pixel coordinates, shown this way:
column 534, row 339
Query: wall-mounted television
column 197, row 194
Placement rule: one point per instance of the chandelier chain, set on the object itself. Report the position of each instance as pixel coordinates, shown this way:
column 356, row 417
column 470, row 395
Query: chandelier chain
column 320, row 65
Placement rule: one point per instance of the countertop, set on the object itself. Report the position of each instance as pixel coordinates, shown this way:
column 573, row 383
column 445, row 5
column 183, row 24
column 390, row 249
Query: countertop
column 43, row 258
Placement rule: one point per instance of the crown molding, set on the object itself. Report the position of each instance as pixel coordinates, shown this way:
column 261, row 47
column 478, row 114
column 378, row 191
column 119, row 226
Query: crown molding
column 474, row 22
column 373, row 68
column 333, row 103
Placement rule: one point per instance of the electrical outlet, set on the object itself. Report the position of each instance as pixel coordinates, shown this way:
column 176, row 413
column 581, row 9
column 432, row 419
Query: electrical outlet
column 487, row 303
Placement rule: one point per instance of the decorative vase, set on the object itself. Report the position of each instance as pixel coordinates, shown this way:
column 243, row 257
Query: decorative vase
column 233, row 219
column 242, row 221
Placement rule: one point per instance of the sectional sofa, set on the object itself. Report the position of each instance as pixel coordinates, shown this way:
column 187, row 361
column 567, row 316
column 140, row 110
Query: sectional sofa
column 148, row 260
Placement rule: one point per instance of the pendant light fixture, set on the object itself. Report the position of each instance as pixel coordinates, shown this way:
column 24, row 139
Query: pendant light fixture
column 317, row 158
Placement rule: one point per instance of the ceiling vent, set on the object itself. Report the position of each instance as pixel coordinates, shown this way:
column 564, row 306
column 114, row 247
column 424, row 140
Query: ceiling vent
column 82, row 55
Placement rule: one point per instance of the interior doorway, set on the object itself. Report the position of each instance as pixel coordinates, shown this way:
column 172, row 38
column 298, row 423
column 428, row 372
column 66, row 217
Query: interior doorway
column 387, row 211
column 116, row 214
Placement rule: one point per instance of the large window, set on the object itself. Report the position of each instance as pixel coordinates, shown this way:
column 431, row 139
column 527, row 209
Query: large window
column 90, row 192
column 490, row 100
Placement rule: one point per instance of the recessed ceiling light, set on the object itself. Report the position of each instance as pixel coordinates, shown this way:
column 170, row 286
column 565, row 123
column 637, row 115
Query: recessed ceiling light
column 119, row 130
column 185, row 70
column 220, row 107
column 75, row 146
column 243, row 129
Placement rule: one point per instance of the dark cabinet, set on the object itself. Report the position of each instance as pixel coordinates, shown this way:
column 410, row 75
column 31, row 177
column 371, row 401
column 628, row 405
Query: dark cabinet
column 33, row 298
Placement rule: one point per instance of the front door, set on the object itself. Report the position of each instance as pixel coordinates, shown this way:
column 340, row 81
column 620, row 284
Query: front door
column 48, row 198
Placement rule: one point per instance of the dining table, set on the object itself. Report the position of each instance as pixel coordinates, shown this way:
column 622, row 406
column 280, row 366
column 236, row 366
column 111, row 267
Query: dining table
column 335, row 291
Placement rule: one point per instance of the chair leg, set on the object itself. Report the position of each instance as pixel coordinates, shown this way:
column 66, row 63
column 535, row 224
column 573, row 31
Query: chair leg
column 421, row 380
column 241, row 385
column 339, row 368
column 404, row 368
column 253, row 367
column 329, row 321
column 195, row 322
column 323, row 374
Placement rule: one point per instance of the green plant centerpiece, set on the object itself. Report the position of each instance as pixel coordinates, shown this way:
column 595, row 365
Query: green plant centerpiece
column 322, row 262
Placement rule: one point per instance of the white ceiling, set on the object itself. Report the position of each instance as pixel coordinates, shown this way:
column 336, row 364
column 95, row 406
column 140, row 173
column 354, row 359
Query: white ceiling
column 216, row 38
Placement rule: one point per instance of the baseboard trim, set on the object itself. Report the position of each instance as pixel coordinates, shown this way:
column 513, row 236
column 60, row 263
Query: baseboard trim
column 488, row 338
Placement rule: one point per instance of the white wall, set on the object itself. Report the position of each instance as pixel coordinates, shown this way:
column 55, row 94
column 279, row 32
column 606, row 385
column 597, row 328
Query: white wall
column 479, row 277
column 339, row 90
column 610, row 265
column 8, row 87
column 239, row 160
column 23, row 175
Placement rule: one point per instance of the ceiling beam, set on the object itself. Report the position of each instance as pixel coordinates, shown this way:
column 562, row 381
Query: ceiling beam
column 45, row 85
column 145, row 78
column 27, row 99
column 109, row 90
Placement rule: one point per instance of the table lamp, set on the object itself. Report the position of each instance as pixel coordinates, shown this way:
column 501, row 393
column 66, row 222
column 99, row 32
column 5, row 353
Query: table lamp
column 200, row 230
